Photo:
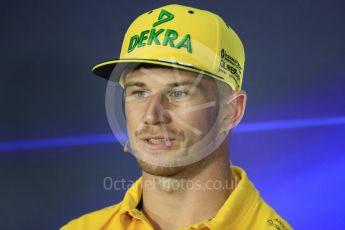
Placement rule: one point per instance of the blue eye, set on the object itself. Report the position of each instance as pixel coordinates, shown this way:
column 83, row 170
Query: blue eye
column 140, row 93
column 178, row 94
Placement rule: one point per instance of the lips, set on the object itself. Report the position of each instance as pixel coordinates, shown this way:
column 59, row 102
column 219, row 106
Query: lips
column 155, row 141
column 158, row 142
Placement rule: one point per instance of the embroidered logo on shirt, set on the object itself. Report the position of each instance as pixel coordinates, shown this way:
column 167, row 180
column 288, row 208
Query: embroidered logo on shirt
column 278, row 224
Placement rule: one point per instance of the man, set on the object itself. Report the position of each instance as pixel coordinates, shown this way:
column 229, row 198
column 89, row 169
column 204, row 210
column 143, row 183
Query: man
column 181, row 70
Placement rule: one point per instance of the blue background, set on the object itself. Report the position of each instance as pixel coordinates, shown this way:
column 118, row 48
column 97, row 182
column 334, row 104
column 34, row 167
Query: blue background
column 56, row 147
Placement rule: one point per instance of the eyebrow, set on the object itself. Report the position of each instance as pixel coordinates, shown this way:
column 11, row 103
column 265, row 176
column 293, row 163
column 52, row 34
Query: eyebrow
column 137, row 84
column 173, row 84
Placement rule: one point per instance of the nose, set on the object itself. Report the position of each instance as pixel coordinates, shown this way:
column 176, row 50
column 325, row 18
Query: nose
column 155, row 112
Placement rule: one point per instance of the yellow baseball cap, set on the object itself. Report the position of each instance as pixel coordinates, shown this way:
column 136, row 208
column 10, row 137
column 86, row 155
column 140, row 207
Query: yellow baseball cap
column 181, row 37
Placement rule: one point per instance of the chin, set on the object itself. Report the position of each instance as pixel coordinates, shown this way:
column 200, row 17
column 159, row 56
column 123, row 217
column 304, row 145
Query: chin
column 157, row 170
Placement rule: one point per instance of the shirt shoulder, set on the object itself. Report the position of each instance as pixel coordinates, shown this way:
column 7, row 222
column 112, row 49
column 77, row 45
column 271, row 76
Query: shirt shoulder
column 113, row 217
column 249, row 209
column 94, row 220
column 263, row 216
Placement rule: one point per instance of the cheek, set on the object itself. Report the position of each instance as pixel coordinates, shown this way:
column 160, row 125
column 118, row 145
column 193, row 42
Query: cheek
column 133, row 116
column 202, row 120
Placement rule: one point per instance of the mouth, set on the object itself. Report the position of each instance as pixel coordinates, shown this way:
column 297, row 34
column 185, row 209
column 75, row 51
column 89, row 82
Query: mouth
column 155, row 143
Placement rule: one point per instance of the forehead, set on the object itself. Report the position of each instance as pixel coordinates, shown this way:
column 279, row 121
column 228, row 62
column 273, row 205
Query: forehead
column 166, row 76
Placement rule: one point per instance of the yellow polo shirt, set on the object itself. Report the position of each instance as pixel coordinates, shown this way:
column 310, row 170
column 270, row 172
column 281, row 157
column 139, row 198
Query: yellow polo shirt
column 243, row 209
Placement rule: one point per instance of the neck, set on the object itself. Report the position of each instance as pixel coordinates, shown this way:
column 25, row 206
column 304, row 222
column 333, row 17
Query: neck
column 184, row 198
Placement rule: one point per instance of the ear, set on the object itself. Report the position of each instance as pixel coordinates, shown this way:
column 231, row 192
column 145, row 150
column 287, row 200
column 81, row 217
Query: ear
column 233, row 111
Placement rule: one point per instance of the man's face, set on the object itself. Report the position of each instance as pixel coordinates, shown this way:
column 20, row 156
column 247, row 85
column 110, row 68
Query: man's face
column 171, row 117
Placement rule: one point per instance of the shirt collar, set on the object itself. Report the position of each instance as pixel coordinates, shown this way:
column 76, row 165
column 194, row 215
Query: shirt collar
column 242, row 198
column 132, row 197
column 229, row 215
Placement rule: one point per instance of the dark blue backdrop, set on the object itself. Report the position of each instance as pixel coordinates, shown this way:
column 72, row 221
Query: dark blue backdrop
column 56, row 147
